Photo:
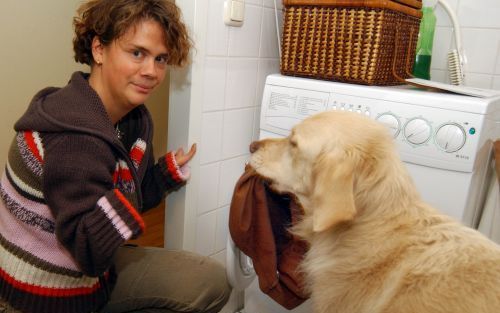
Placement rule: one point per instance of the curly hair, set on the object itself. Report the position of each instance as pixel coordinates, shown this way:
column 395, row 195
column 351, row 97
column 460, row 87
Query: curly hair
column 110, row 19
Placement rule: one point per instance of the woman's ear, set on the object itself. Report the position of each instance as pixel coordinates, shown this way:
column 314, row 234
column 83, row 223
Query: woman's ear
column 333, row 195
column 97, row 50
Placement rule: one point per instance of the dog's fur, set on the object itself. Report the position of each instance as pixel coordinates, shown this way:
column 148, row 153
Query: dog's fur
column 375, row 246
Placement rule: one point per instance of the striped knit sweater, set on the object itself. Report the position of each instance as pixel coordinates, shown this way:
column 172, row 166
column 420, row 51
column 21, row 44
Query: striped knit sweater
column 71, row 194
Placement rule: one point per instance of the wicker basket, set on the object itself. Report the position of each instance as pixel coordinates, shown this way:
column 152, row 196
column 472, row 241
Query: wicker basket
column 368, row 42
column 417, row 4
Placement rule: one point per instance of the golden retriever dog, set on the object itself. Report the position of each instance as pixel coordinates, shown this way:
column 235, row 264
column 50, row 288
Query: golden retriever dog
column 375, row 246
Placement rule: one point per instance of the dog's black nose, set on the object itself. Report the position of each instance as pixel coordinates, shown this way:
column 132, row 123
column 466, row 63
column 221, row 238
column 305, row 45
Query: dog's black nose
column 254, row 146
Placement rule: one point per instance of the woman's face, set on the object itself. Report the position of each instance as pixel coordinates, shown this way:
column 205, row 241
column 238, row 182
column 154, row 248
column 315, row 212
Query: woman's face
column 129, row 68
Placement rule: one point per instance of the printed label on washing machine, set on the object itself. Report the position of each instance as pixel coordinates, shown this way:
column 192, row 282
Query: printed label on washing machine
column 284, row 107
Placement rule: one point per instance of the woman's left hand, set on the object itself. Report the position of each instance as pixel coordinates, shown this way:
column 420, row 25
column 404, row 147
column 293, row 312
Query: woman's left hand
column 183, row 158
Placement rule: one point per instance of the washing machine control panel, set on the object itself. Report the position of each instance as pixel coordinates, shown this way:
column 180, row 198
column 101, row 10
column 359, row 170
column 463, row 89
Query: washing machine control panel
column 425, row 135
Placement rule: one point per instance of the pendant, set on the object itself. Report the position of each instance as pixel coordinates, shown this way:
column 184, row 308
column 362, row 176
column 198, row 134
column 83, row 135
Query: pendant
column 119, row 133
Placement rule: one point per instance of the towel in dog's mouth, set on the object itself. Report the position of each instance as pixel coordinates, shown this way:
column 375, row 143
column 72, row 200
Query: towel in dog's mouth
column 254, row 193
column 259, row 220
column 268, row 183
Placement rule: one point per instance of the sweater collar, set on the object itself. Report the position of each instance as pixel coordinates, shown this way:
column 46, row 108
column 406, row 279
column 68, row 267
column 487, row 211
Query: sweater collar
column 77, row 108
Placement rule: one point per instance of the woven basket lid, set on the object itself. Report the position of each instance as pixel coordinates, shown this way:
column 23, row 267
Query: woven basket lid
column 395, row 5
column 417, row 4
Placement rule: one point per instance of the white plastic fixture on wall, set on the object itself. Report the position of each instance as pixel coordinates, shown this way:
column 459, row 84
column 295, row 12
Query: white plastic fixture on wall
column 456, row 57
column 234, row 12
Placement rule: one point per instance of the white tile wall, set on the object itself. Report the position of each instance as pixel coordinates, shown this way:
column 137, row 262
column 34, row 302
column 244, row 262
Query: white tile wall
column 478, row 45
column 497, row 67
column 269, row 37
column 442, row 44
column 480, row 25
column 245, row 41
column 217, row 32
column 256, row 2
column 222, row 221
column 241, row 82
column 236, row 63
column 214, row 84
column 271, row 3
column 442, row 17
column 478, row 79
column 211, row 137
column 206, row 233
column 256, row 125
column 496, row 82
column 266, row 67
column 230, row 171
column 221, row 257
column 479, row 13
column 209, row 179
column 238, row 131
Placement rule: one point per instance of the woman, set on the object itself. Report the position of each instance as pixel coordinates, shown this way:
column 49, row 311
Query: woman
column 81, row 169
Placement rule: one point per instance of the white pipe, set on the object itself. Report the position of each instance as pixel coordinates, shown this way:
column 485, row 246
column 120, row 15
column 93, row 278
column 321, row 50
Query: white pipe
column 454, row 21
column 456, row 57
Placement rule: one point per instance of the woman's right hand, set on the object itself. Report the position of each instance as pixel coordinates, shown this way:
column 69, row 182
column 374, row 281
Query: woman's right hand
column 182, row 158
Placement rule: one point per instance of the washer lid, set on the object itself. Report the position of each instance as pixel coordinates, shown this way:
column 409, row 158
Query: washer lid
column 404, row 94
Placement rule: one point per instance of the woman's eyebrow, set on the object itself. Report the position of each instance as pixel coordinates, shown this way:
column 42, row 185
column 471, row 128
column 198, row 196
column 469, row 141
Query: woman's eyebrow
column 147, row 51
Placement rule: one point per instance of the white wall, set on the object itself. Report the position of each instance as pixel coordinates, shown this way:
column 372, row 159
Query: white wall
column 480, row 24
column 218, row 106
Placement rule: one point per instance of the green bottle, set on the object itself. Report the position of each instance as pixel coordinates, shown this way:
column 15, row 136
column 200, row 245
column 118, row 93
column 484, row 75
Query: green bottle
column 422, row 65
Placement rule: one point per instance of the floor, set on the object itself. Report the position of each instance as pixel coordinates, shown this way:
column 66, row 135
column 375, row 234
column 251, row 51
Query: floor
column 155, row 228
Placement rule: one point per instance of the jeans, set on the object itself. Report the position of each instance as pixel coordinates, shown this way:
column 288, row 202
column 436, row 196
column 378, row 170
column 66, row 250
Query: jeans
column 156, row 280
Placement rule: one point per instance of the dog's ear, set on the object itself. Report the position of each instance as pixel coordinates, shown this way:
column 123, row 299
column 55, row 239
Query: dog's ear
column 333, row 194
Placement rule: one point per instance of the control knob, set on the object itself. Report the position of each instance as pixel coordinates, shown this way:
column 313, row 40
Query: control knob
column 417, row 131
column 450, row 137
column 391, row 121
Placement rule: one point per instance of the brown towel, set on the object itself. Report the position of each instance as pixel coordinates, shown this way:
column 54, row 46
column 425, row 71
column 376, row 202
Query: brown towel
column 258, row 221
column 497, row 158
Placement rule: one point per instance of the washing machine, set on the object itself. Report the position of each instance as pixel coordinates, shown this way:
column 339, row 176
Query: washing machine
column 444, row 139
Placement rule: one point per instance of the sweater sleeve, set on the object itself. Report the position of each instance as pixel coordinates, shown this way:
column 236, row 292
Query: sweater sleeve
column 92, row 217
column 161, row 178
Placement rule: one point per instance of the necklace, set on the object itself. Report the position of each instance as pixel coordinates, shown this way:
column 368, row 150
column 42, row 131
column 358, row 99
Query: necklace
column 118, row 132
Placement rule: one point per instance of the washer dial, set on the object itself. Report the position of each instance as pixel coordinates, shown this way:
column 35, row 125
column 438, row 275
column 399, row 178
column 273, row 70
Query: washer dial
column 391, row 121
column 450, row 137
column 417, row 131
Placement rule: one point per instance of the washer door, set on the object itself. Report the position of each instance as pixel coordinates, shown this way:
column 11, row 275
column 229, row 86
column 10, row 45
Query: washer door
column 239, row 267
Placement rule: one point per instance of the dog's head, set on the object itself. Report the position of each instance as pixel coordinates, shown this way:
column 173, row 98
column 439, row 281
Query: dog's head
column 325, row 161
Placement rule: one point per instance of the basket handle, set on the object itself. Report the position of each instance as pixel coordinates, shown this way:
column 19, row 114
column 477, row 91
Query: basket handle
column 396, row 49
column 396, row 46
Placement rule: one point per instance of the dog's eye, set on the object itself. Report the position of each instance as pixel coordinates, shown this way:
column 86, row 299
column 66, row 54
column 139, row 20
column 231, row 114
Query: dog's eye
column 293, row 143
